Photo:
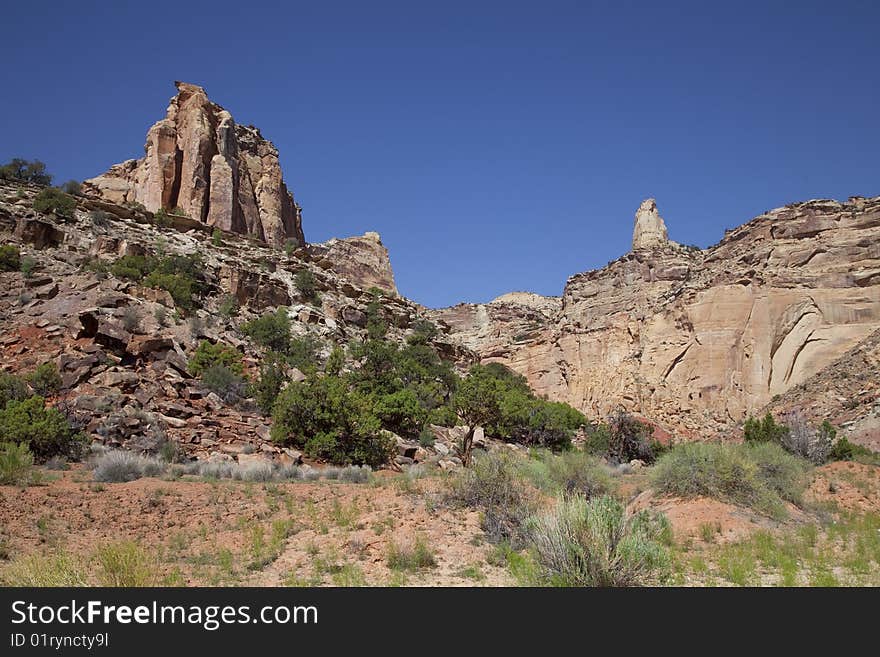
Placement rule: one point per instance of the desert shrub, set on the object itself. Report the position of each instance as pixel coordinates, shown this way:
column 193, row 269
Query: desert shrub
column 177, row 275
column 593, row 543
column 118, row 466
column 273, row 378
column 331, row 421
column 12, row 388
column 572, row 472
column 629, row 439
column 45, row 380
column 427, row 437
column 759, row 476
column 22, row 170
column 494, row 486
column 179, row 286
column 10, row 258
column 443, row 416
column 16, row 464
column 229, row 306
column 253, row 471
column 55, row 201
column 305, row 282
column 45, row 430
column 36, row 570
column 223, row 381
column 598, row 440
column 100, row 218
column 132, row 267
column 72, row 187
column 401, row 412
column 842, row 450
column 271, row 330
column 302, row 353
column 335, row 361
column 131, row 319
column 781, row 472
column 125, row 564
column 412, row 556
column 32, row 171
column 28, row 264
column 217, row 237
column 808, row 442
column 209, row 354
column 765, row 430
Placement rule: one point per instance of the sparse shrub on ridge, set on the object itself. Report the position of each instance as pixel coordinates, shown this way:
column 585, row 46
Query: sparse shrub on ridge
column 32, row 171
column 209, row 354
column 10, row 258
column 45, row 380
column 593, row 543
column 12, row 388
column 55, row 201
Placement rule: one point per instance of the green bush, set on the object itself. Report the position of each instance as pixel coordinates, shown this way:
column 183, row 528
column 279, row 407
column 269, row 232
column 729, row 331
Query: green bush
column 572, row 472
column 179, row 286
column 25, row 171
column 55, row 201
column 12, row 388
column 330, row 421
column 272, row 380
column 494, row 486
column 443, row 416
column 45, row 380
column 629, row 439
column 302, row 353
column 401, row 412
column 217, row 237
column 177, row 275
column 10, row 258
column 16, row 464
column 843, row 449
column 28, row 264
column 305, row 282
column 229, row 306
column 45, row 430
column 72, row 187
column 209, row 354
column 593, row 543
column 223, row 381
column 411, row 557
column 760, row 476
column 271, row 331
column 764, row 431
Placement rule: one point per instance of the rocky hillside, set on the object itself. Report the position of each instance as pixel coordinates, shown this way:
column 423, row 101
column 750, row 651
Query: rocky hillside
column 695, row 340
column 200, row 162
column 122, row 347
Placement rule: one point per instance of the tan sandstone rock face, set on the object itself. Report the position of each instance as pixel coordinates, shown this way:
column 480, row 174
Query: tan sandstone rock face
column 650, row 229
column 363, row 259
column 197, row 159
column 697, row 340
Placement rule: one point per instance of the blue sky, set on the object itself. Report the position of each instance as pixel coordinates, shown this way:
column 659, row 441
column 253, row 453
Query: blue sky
column 495, row 146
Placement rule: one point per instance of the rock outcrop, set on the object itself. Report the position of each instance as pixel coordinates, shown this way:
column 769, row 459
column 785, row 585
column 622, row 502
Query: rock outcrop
column 650, row 229
column 200, row 162
column 697, row 339
column 363, row 259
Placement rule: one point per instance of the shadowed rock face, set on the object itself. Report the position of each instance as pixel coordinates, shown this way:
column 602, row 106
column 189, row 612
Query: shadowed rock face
column 198, row 160
column 697, row 339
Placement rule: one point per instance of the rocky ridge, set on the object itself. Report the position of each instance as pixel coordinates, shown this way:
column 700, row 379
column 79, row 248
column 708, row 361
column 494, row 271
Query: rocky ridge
column 695, row 340
column 199, row 162
column 122, row 349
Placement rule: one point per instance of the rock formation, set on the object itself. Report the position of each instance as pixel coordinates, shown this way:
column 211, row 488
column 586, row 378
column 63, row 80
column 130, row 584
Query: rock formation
column 200, row 162
column 650, row 229
column 697, row 340
column 363, row 259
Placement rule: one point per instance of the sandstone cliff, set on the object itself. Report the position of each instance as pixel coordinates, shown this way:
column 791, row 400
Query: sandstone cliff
column 696, row 340
column 199, row 161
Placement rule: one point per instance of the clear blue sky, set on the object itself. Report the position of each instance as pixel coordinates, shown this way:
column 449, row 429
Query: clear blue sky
column 495, row 146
